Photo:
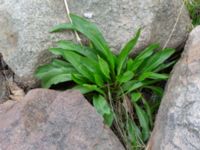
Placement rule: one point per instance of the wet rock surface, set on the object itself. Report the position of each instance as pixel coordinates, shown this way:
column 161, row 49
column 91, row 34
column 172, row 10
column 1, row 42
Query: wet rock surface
column 178, row 122
column 49, row 120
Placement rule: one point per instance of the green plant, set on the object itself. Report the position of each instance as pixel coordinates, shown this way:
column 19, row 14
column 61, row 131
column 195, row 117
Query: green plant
column 116, row 82
column 193, row 7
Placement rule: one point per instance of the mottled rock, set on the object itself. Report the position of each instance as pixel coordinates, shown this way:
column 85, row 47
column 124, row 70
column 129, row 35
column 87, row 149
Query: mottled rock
column 49, row 120
column 177, row 124
column 24, row 34
column 119, row 20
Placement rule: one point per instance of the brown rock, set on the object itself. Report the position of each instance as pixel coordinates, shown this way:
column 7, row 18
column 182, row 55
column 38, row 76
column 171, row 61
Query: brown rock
column 51, row 120
column 178, row 122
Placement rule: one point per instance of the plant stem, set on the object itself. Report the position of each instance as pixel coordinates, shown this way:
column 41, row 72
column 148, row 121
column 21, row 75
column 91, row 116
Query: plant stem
column 68, row 14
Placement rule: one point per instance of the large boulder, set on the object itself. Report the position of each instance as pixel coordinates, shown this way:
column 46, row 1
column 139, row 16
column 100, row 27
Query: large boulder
column 52, row 120
column 24, row 34
column 177, row 124
column 119, row 20
column 24, row 37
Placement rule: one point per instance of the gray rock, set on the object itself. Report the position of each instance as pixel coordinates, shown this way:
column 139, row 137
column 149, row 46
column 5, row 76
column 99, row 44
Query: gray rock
column 52, row 120
column 119, row 20
column 177, row 124
column 24, row 37
column 24, row 34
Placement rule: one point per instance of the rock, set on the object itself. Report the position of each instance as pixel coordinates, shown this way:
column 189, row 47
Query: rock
column 119, row 20
column 6, row 82
column 49, row 120
column 3, row 89
column 25, row 37
column 177, row 124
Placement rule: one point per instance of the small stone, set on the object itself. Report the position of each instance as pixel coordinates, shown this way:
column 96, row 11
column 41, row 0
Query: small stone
column 88, row 15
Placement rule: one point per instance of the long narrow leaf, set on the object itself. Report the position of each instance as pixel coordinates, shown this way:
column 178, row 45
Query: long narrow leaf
column 51, row 75
column 76, row 61
column 155, row 61
column 144, row 122
column 104, row 67
column 92, row 32
column 61, row 27
column 85, row 51
column 148, row 110
column 144, row 55
column 127, row 76
column 131, row 86
column 87, row 88
column 152, row 75
column 125, row 51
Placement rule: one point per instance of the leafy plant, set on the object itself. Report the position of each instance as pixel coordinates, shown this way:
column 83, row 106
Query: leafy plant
column 193, row 7
column 116, row 82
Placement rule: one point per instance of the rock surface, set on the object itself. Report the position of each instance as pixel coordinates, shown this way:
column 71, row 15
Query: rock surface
column 49, row 120
column 3, row 88
column 178, row 122
column 6, row 77
column 24, row 34
column 119, row 20
column 24, row 37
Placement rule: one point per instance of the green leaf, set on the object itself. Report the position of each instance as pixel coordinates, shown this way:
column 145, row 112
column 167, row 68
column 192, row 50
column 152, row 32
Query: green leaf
column 104, row 67
column 83, row 50
column 135, row 64
column 98, row 80
column 152, row 75
column 164, row 66
column 64, row 64
column 61, row 27
column 136, row 96
column 76, row 61
column 157, row 59
column 147, row 52
column 143, row 120
column 103, row 108
column 134, row 133
column 92, row 32
column 131, row 86
column 87, row 88
column 50, row 75
column 108, row 119
column 127, row 76
column 83, row 89
column 56, row 51
column 157, row 90
column 84, row 65
column 79, row 79
column 148, row 110
column 125, row 52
